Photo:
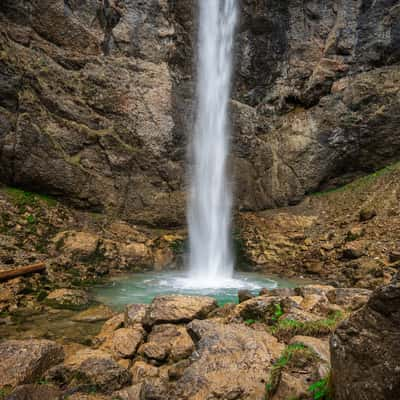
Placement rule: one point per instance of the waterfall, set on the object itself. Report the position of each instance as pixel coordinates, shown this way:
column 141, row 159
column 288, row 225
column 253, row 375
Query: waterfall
column 209, row 218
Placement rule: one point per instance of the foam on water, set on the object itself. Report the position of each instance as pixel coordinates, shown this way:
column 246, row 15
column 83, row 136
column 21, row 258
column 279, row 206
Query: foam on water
column 142, row 288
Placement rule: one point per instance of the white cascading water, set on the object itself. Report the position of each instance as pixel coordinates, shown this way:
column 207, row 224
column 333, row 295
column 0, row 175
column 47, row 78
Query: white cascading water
column 211, row 260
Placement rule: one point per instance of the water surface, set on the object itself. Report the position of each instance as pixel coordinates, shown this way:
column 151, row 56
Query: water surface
column 143, row 287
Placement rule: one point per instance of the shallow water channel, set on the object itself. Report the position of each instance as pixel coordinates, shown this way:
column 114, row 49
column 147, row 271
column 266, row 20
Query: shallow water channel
column 56, row 324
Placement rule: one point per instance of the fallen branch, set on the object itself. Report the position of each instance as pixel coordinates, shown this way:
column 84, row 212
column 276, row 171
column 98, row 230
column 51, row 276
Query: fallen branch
column 15, row 272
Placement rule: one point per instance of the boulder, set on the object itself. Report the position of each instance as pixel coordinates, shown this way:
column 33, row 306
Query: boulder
column 109, row 327
column 134, row 314
column 259, row 308
column 231, row 362
column 124, row 342
column 349, row 298
column 141, row 370
column 94, row 314
column 178, row 309
column 314, row 289
column 365, row 349
column 68, row 298
column 128, row 393
column 104, row 374
column 244, row 295
column 35, row 392
column 94, row 368
column 167, row 342
column 25, row 361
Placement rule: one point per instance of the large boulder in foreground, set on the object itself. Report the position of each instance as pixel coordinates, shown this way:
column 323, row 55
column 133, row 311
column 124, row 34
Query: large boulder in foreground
column 178, row 309
column 232, row 362
column 25, row 361
column 365, row 350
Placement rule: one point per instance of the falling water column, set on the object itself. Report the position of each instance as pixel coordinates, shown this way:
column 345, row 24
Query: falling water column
column 209, row 216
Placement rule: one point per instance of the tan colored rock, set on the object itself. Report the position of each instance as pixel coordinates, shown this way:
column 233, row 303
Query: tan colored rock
column 111, row 326
column 354, row 250
column 313, row 302
column 129, row 393
column 124, row 342
column 314, row 289
column 292, row 386
column 92, row 367
column 141, row 370
column 167, row 342
column 162, row 258
column 68, row 298
column 178, row 308
column 25, row 361
column 94, row 314
column 232, row 361
column 35, row 392
column 350, row 298
column 86, row 396
column 134, row 251
column 261, row 308
column 82, row 244
column 318, row 346
column 134, row 314
column 74, row 360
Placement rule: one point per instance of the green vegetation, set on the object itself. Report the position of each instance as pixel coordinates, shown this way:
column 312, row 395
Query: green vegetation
column 321, row 390
column 24, row 198
column 278, row 312
column 250, row 322
column 178, row 246
column 361, row 182
column 4, row 393
column 293, row 355
column 287, row 328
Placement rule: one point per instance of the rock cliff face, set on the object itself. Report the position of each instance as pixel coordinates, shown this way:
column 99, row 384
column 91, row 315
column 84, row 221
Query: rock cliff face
column 365, row 349
column 101, row 118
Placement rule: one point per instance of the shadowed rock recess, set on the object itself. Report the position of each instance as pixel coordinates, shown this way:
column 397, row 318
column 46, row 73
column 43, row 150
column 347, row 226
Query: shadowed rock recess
column 316, row 98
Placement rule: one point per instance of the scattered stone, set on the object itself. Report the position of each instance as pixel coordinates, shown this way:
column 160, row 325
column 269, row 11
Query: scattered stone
column 394, row 256
column 25, row 361
column 260, row 308
column 354, row 250
column 167, row 342
column 124, row 342
column 244, row 295
column 178, row 308
column 366, row 349
column 134, row 314
column 141, row 370
column 314, row 289
column 367, row 214
column 109, row 327
column 68, row 298
column 94, row 314
column 349, row 298
column 128, row 393
column 35, row 392
column 104, row 374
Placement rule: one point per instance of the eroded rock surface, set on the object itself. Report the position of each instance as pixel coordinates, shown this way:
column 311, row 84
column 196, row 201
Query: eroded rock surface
column 365, row 349
column 26, row 361
column 178, row 308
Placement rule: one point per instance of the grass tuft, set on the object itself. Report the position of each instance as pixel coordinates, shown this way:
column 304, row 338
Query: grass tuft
column 285, row 329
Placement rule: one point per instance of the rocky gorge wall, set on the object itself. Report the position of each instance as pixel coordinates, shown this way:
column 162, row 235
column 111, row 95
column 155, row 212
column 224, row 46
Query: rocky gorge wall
column 105, row 126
